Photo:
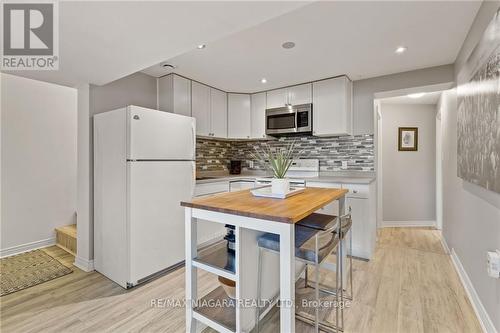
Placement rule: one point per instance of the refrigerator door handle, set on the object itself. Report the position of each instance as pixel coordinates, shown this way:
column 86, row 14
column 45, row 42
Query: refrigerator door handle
column 193, row 168
column 193, row 137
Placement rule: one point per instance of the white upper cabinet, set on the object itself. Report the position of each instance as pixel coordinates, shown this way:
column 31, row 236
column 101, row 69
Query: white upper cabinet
column 182, row 95
column 277, row 98
column 296, row 95
column 218, row 113
column 201, row 108
column 238, row 111
column 258, row 115
column 332, row 107
column 174, row 94
column 209, row 107
column 242, row 116
column 301, row 94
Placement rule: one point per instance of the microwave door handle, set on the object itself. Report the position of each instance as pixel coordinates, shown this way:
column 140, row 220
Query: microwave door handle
column 296, row 121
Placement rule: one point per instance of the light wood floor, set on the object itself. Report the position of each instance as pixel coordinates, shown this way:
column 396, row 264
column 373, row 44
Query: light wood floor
column 409, row 286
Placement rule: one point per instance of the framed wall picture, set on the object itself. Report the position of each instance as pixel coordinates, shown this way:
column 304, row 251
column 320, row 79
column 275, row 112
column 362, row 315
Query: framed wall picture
column 408, row 139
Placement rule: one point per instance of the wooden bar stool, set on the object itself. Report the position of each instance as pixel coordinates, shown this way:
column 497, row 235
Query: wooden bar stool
column 324, row 222
column 312, row 246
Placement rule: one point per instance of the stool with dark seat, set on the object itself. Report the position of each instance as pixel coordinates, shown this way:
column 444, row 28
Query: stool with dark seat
column 324, row 222
column 312, row 246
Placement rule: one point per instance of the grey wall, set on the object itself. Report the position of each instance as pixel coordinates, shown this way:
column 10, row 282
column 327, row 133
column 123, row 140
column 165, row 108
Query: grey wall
column 136, row 89
column 471, row 214
column 38, row 159
column 409, row 177
column 363, row 91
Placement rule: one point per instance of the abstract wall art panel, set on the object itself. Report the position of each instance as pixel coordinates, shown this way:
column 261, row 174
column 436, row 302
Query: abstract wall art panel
column 478, row 128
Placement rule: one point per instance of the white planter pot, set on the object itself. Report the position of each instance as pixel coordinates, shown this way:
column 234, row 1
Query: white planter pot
column 280, row 185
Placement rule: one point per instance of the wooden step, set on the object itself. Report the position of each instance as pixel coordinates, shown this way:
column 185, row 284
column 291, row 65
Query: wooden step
column 66, row 238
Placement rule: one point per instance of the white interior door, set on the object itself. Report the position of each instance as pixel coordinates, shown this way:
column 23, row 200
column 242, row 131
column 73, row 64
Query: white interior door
column 156, row 219
column 158, row 135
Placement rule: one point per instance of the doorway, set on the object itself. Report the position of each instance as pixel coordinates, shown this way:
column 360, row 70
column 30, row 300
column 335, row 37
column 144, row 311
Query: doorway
column 409, row 181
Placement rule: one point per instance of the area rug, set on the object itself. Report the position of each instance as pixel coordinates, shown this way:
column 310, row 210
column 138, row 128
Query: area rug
column 28, row 269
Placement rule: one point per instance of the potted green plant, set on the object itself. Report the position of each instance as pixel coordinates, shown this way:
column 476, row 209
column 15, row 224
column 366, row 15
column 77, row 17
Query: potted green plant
column 278, row 161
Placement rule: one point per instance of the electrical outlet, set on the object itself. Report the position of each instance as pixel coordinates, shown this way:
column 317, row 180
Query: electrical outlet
column 494, row 264
column 250, row 164
column 344, row 164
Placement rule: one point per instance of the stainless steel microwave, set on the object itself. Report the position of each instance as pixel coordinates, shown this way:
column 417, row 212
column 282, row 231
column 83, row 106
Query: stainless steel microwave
column 289, row 120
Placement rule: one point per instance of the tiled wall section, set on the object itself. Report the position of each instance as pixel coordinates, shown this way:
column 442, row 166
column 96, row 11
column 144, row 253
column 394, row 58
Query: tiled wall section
column 357, row 151
column 212, row 155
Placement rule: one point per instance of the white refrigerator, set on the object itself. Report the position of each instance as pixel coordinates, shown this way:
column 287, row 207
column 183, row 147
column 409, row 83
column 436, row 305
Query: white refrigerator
column 144, row 166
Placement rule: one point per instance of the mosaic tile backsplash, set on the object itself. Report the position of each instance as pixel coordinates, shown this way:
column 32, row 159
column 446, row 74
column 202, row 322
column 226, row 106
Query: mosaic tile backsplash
column 357, row 151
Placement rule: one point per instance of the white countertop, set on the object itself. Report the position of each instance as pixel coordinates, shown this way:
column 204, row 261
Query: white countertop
column 345, row 177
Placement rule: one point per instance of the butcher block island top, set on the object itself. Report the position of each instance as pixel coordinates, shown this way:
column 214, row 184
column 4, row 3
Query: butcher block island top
column 289, row 210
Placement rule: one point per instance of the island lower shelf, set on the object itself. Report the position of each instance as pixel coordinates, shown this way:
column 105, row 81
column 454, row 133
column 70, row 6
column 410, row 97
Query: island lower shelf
column 217, row 261
column 217, row 310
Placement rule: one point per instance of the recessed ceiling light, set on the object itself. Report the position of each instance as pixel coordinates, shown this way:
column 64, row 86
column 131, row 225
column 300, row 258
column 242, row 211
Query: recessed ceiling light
column 201, row 46
column 288, row 45
column 416, row 95
column 263, row 80
column 401, row 49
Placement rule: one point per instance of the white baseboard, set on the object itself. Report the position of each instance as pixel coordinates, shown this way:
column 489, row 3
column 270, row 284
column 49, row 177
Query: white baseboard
column 10, row 251
column 482, row 315
column 445, row 245
column 84, row 264
column 392, row 224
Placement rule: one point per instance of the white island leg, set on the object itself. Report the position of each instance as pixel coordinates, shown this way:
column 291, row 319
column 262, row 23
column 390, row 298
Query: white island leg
column 191, row 272
column 287, row 278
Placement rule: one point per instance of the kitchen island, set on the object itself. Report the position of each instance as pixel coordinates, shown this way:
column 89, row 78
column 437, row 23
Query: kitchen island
column 251, row 217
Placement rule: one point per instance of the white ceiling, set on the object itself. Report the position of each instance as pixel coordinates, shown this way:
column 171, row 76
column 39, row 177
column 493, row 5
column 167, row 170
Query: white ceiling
column 332, row 38
column 103, row 41
column 428, row 98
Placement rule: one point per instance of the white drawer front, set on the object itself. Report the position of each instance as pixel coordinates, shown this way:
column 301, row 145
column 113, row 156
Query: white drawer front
column 211, row 188
column 241, row 185
column 333, row 207
column 357, row 190
column 324, row 184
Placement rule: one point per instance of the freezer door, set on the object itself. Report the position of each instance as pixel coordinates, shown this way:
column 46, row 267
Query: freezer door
column 158, row 135
column 156, row 219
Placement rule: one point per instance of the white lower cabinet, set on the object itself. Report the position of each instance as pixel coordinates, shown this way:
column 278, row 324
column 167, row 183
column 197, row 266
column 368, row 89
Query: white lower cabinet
column 331, row 208
column 210, row 231
column 360, row 198
column 360, row 227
